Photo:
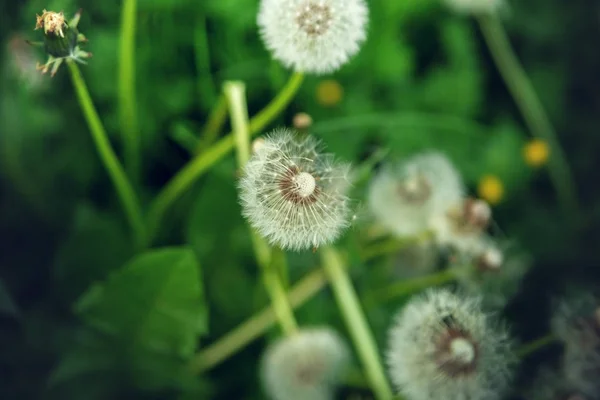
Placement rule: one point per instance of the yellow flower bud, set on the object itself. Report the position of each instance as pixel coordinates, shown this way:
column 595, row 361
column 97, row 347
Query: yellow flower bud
column 536, row 152
column 329, row 93
column 491, row 189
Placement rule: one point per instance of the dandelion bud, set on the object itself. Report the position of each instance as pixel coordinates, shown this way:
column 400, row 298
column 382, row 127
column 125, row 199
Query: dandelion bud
column 405, row 198
column 294, row 195
column 302, row 121
column 444, row 347
column 314, row 36
column 306, row 365
column 61, row 39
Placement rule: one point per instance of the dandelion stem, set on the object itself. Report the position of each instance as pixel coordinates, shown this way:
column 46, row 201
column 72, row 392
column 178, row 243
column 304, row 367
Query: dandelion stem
column 268, row 259
column 126, row 87
column 213, row 125
column 412, row 285
column 531, row 108
column 362, row 337
column 114, row 168
column 532, row 347
column 257, row 325
column 202, row 162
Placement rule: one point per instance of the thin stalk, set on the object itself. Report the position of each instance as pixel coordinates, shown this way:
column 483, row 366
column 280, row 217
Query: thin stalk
column 408, row 286
column 126, row 89
column 356, row 322
column 531, row 108
column 186, row 177
column 532, row 347
column 214, row 124
column 111, row 163
column 206, row 86
column 269, row 260
column 257, row 325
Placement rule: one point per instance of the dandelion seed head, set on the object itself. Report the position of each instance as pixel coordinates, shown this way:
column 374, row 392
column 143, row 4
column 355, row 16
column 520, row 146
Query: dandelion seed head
column 443, row 346
column 313, row 36
column 294, row 195
column 306, row 365
column 406, row 197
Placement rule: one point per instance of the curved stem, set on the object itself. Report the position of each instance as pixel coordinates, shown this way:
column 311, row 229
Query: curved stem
column 257, row 325
column 533, row 112
column 202, row 162
column 124, row 189
column 126, row 87
column 356, row 321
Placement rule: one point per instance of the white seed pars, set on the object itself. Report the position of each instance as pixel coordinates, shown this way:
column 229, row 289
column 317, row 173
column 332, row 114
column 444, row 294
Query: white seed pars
column 294, row 195
column 406, row 197
column 306, row 365
column 442, row 346
column 313, row 36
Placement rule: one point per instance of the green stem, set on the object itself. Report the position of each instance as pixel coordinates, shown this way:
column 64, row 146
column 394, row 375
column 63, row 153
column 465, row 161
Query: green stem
column 202, row 162
column 408, row 286
column 213, row 125
column 534, row 346
column 126, row 87
column 124, row 189
column 362, row 337
column 257, row 325
column 206, row 86
column 268, row 259
column 392, row 245
column 531, row 108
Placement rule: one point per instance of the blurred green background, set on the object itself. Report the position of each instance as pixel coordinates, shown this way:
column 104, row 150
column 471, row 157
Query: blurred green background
column 423, row 80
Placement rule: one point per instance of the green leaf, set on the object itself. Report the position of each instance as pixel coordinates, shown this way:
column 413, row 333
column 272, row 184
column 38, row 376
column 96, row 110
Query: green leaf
column 155, row 302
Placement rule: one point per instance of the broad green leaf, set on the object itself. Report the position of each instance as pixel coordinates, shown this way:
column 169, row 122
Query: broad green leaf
column 155, row 302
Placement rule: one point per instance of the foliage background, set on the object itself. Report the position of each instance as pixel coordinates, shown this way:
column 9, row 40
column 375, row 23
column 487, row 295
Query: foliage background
column 423, row 80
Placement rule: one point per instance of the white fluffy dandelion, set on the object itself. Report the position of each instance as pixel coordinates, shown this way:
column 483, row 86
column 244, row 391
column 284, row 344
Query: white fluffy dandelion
column 307, row 365
column 577, row 324
column 314, row 36
column 405, row 198
column 443, row 347
column 294, row 195
column 475, row 6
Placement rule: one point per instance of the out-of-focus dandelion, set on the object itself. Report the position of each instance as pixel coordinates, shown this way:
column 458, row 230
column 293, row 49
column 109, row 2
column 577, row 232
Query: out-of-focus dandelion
column 302, row 121
column 294, row 195
column 475, row 6
column 306, row 365
column 491, row 189
column 329, row 93
column 577, row 324
column 536, row 152
column 61, row 40
column 405, row 198
column 313, row 36
column 442, row 346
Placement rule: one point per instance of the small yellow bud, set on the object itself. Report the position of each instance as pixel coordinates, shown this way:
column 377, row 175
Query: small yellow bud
column 491, row 189
column 536, row 152
column 329, row 93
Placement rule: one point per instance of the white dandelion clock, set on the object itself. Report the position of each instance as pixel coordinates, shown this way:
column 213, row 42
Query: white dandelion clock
column 462, row 225
column 475, row 6
column 306, row 365
column 313, row 36
column 405, row 198
column 294, row 195
column 577, row 324
column 443, row 346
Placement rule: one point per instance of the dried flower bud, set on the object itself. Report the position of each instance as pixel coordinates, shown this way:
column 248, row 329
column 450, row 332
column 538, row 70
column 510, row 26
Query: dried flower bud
column 314, row 36
column 302, row 121
column 407, row 197
column 61, row 40
column 306, row 365
column 294, row 195
column 444, row 347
